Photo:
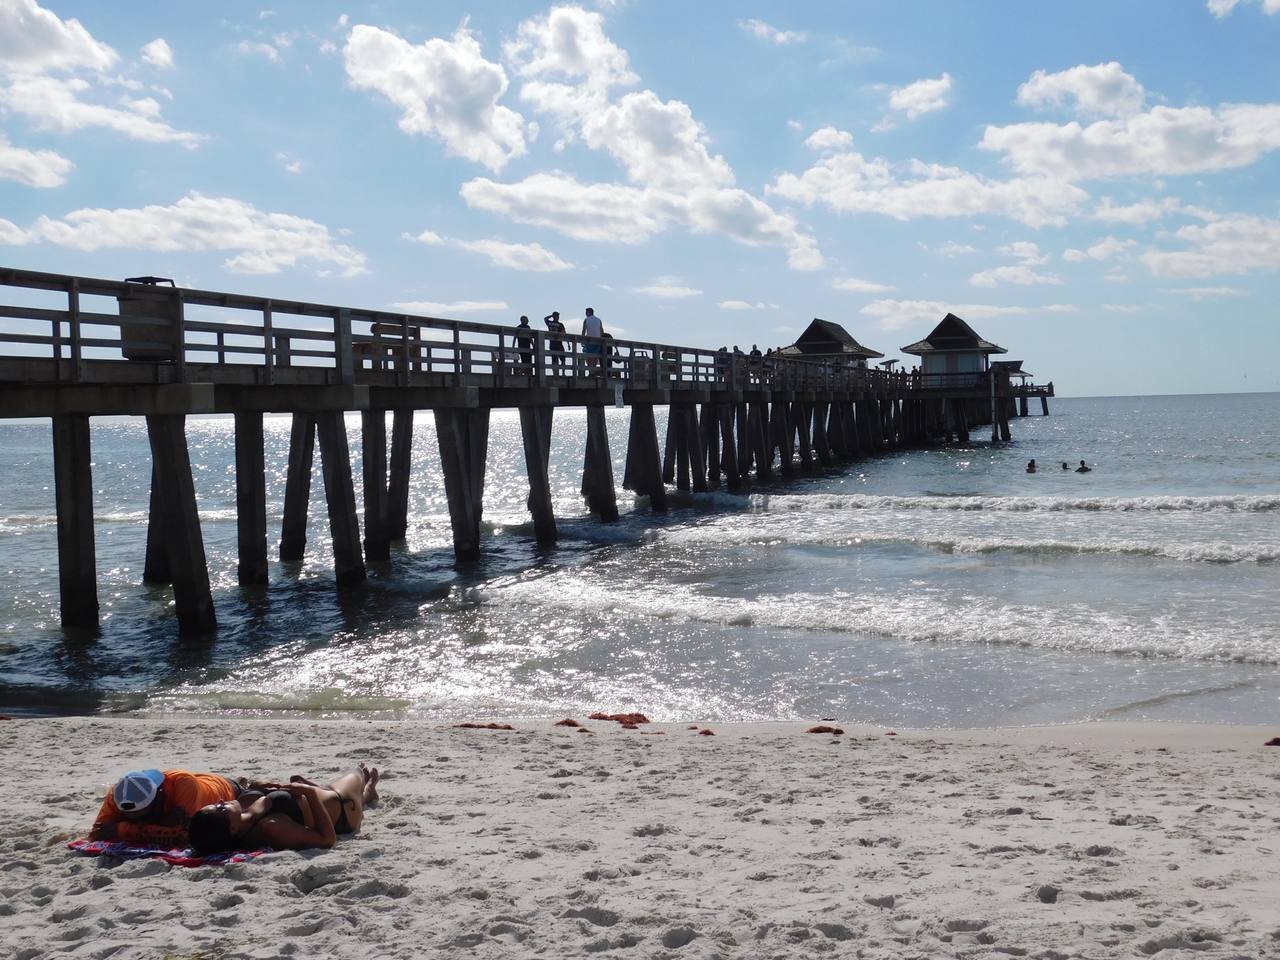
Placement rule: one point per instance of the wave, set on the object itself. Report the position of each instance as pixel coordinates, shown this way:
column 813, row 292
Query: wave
column 1218, row 551
column 818, row 503
column 921, row 618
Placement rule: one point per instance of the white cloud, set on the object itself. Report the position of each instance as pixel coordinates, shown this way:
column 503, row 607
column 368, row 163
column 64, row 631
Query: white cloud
column 898, row 314
column 571, row 68
column 795, row 125
column 33, row 40
column 765, row 31
column 854, row 285
column 444, row 88
column 55, row 104
column 1202, row 293
column 259, row 242
column 34, row 168
column 433, row 308
column 1019, row 275
column 1220, row 8
column 34, row 43
column 290, row 163
column 741, row 305
column 1135, row 214
column 921, row 97
column 1124, row 307
column 158, row 54
column 601, row 212
column 668, row 288
column 253, row 48
column 1159, row 141
column 851, row 183
column 1106, row 249
column 949, row 249
column 427, row 237
column 12, row 235
column 1025, row 251
column 1103, row 90
column 1115, row 275
column 531, row 257
column 1234, row 244
column 829, row 138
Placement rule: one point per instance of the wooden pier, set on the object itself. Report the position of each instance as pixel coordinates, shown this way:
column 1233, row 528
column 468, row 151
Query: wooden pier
column 72, row 348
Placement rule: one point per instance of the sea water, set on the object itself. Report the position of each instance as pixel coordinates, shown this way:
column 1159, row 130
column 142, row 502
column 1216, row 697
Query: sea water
column 942, row 587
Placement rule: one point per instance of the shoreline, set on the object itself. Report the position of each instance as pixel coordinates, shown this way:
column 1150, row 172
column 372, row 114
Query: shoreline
column 1090, row 840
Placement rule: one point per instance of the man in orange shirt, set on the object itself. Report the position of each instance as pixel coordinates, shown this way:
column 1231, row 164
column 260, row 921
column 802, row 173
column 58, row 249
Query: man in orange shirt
column 153, row 806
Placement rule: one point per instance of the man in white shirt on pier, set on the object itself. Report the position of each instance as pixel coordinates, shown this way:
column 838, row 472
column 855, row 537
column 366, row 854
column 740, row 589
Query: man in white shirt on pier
column 592, row 327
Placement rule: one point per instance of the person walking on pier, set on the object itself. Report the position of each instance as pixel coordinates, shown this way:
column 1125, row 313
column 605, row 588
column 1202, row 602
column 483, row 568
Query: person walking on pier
column 593, row 327
column 556, row 346
column 524, row 343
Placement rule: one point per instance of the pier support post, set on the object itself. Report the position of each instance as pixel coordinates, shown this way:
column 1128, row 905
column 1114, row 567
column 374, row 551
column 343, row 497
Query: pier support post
column 709, row 425
column 758, row 424
column 644, row 463
column 297, row 487
column 373, row 468
column 463, row 436
column 340, row 493
column 836, row 431
column 855, row 429
column 697, row 453
column 742, row 419
column 398, row 488
column 669, row 446
column 251, row 500
column 783, row 436
column 535, row 430
column 821, row 445
column 1022, row 406
column 597, row 467
column 1044, row 406
column 729, row 448
column 1004, row 427
column 678, row 430
column 177, row 494
column 73, row 494
column 155, row 569
column 802, row 417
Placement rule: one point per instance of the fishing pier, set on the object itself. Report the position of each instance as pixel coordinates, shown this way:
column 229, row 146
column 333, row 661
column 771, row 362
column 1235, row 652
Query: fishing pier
column 72, row 348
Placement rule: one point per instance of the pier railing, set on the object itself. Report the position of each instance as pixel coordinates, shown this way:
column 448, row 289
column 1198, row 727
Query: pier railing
column 78, row 329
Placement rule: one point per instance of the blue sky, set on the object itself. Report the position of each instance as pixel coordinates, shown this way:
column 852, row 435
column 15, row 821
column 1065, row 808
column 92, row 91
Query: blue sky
column 1092, row 185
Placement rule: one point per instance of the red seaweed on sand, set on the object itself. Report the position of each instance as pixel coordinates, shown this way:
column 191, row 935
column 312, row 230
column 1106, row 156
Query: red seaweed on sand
column 567, row 722
column 631, row 719
column 823, row 728
column 706, row 733
column 1273, row 742
column 484, row 726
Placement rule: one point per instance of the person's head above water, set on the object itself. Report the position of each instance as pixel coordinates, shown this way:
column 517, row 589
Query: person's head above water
column 1065, row 465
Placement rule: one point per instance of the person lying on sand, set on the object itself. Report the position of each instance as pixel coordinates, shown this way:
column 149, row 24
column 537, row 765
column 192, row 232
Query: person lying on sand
column 298, row 815
column 152, row 807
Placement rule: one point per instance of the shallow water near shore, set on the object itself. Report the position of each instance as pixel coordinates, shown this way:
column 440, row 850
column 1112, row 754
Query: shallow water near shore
column 927, row 588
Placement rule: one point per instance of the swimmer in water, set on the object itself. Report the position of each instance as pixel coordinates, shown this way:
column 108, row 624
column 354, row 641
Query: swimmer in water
column 1083, row 468
column 1031, row 466
column 1065, row 465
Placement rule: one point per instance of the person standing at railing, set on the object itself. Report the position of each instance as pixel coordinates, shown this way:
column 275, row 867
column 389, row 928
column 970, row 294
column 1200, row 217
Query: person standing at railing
column 722, row 364
column 755, row 360
column 556, row 346
column 594, row 328
column 524, row 343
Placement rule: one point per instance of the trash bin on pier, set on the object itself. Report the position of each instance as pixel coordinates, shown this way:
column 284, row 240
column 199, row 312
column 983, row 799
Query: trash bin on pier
column 148, row 340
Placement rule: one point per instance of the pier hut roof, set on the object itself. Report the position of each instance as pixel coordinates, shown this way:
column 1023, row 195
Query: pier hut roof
column 952, row 335
column 1012, row 367
column 824, row 338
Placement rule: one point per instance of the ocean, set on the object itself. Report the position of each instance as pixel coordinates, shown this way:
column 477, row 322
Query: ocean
column 927, row 588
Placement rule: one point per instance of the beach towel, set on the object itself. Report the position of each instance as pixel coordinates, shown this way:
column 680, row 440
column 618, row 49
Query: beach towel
column 179, row 856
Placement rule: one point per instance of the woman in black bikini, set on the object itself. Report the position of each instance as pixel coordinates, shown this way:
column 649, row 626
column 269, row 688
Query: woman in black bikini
column 298, row 815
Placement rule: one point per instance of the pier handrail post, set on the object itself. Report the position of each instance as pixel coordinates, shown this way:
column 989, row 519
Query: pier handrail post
column 500, row 374
column 268, row 343
column 179, row 335
column 73, row 314
column 540, row 356
column 343, row 355
column 657, row 365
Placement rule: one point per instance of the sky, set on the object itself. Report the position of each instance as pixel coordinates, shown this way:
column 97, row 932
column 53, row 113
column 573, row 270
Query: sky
column 1094, row 186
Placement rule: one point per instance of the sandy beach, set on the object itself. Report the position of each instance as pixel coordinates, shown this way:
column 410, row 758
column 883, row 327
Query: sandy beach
column 1091, row 841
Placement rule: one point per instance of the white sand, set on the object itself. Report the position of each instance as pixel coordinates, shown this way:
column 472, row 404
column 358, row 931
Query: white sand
column 763, row 841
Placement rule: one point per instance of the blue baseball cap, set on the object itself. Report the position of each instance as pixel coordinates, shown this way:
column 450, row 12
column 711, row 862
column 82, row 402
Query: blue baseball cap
column 135, row 790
